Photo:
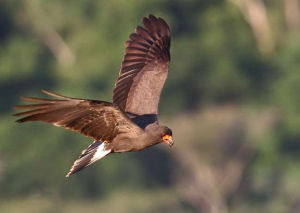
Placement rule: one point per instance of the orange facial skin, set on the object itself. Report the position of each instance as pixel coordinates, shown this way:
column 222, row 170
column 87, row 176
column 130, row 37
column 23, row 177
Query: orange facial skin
column 168, row 139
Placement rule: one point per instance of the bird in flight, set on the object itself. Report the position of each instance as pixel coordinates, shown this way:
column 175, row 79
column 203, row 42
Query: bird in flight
column 130, row 122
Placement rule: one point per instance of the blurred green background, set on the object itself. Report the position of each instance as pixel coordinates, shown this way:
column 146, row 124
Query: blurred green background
column 232, row 99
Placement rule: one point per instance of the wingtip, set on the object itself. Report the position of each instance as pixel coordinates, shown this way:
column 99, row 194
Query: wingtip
column 144, row 19
column 48, row 92
column 151, row 16
column 55, row 94
column 159, row 22
column 21, row 120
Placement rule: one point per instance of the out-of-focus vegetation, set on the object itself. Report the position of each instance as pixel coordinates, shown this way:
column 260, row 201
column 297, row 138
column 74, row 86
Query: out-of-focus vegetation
column 232, row 100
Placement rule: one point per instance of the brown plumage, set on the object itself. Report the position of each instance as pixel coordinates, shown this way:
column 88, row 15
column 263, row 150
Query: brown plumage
column 130, row 122
column 145, row 68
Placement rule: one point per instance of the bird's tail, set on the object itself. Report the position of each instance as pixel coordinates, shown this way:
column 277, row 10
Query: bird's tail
column 93, row 153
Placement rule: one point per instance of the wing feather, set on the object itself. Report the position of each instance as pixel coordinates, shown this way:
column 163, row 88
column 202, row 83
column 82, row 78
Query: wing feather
column 144, row 68
column 96, row 119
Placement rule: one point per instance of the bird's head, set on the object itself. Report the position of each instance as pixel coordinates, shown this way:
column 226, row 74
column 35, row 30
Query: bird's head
column 160, row 133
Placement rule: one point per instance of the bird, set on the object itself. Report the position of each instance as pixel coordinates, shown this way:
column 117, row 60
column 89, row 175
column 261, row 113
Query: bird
column 128, row 123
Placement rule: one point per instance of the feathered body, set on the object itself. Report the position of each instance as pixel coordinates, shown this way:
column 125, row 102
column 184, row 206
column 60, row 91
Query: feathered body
column 130, row 122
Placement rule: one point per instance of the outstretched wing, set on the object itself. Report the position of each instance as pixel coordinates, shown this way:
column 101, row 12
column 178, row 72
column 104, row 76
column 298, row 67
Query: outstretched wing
column 144, row 69
column 96, row 119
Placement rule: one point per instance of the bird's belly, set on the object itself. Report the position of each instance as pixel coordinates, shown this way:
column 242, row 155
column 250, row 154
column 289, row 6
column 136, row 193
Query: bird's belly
column 128, row 146
column 123, row 147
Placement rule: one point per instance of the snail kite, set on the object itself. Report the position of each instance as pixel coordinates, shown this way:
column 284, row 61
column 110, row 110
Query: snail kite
column 130, row 122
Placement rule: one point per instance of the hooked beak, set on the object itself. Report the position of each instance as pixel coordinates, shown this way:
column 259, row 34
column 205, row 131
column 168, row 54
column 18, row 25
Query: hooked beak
column 168, row 139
